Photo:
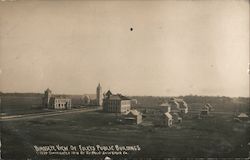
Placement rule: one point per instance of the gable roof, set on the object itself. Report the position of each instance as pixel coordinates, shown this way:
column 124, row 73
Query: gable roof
column 209, row 105
column 108, row 93
column 48, row 90
column 60, row 97
column 116, row 97
column 243, row 115
column 183, row 104
column 168, row 115
column 174, row 105
column 205, row 108
column 99, row 86
column 134, row 112
column 165, row 105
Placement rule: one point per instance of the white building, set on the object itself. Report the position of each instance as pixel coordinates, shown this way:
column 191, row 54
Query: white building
column 178, row 106
column 55, row 102
column 133, row 117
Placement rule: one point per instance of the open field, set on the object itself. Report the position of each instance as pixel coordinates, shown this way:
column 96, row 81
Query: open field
column 215, row 136
column 22, row 103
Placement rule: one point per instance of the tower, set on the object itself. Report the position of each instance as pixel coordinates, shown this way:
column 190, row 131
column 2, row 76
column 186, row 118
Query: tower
column 46, row 98
column 99, row 96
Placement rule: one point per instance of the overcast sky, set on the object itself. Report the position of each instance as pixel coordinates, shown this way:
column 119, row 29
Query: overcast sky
column 175, row 48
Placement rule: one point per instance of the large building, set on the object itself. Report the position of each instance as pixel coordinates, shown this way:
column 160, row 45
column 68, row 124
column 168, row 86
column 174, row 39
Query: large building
column 55, row 102
column 60, row 102
column 116, row 103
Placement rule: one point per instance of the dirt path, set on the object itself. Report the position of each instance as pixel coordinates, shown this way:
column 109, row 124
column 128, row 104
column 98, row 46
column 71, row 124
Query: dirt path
column 38, row 115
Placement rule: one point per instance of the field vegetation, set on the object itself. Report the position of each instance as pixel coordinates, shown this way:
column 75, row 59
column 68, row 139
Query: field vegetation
column 217, row 135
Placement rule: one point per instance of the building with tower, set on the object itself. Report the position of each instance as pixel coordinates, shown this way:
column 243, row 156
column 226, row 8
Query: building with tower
column 55, row 102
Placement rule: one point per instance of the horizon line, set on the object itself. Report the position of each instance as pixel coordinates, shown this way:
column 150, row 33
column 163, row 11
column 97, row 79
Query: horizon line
column 201, row 95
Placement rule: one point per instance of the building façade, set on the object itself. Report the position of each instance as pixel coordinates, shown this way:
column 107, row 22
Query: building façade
column 116, row 103
column 55, row 102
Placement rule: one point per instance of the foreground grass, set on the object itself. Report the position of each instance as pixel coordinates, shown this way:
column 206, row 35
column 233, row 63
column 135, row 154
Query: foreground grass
column 215, row 136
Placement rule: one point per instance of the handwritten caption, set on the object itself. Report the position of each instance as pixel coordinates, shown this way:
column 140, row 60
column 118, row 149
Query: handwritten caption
column 86, row 150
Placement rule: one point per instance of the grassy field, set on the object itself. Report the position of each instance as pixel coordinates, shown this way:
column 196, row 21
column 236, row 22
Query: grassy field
column 21, row 104
column 12, row 104
column 214, row 136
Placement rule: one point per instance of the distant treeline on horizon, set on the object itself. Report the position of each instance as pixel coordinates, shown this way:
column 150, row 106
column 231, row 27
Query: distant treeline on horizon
column 13, row 103
column 187, row 96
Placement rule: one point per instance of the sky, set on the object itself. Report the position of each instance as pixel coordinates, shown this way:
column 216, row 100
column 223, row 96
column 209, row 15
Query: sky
column 175, row 47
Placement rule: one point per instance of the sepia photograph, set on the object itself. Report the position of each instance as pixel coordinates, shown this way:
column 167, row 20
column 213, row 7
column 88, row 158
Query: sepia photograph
column 123, row 79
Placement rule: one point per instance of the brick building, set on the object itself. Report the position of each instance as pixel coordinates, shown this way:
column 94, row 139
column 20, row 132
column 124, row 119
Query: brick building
column 116, row 103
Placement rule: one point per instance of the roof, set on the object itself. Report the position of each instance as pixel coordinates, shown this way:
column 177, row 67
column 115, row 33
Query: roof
column 123, row 97
column 205, row 108
column 168, row 115
column 60, row 97
column 48, row 90
column 109, row 92
column 175, row 115
column 174, row 105
column 173, row 102
column 134, row 112
column 209, row 105
column 183, row 104
column 165, row 105
column 99, row 86
column 176, row 99
column 117, row 97
column 179, row 102
column 243, row 115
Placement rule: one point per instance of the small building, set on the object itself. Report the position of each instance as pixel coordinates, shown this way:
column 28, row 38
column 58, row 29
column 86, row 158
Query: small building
column 116, row 103
column 133, row 117
column 175, row 107
column 210, row 107
column 183, row 107
column 176, row 118
column 178, row 106
column 205, row 111
column 164, row 119
column 168, row 119
column 134, row 102
column 243, row 117
column 165, row 107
